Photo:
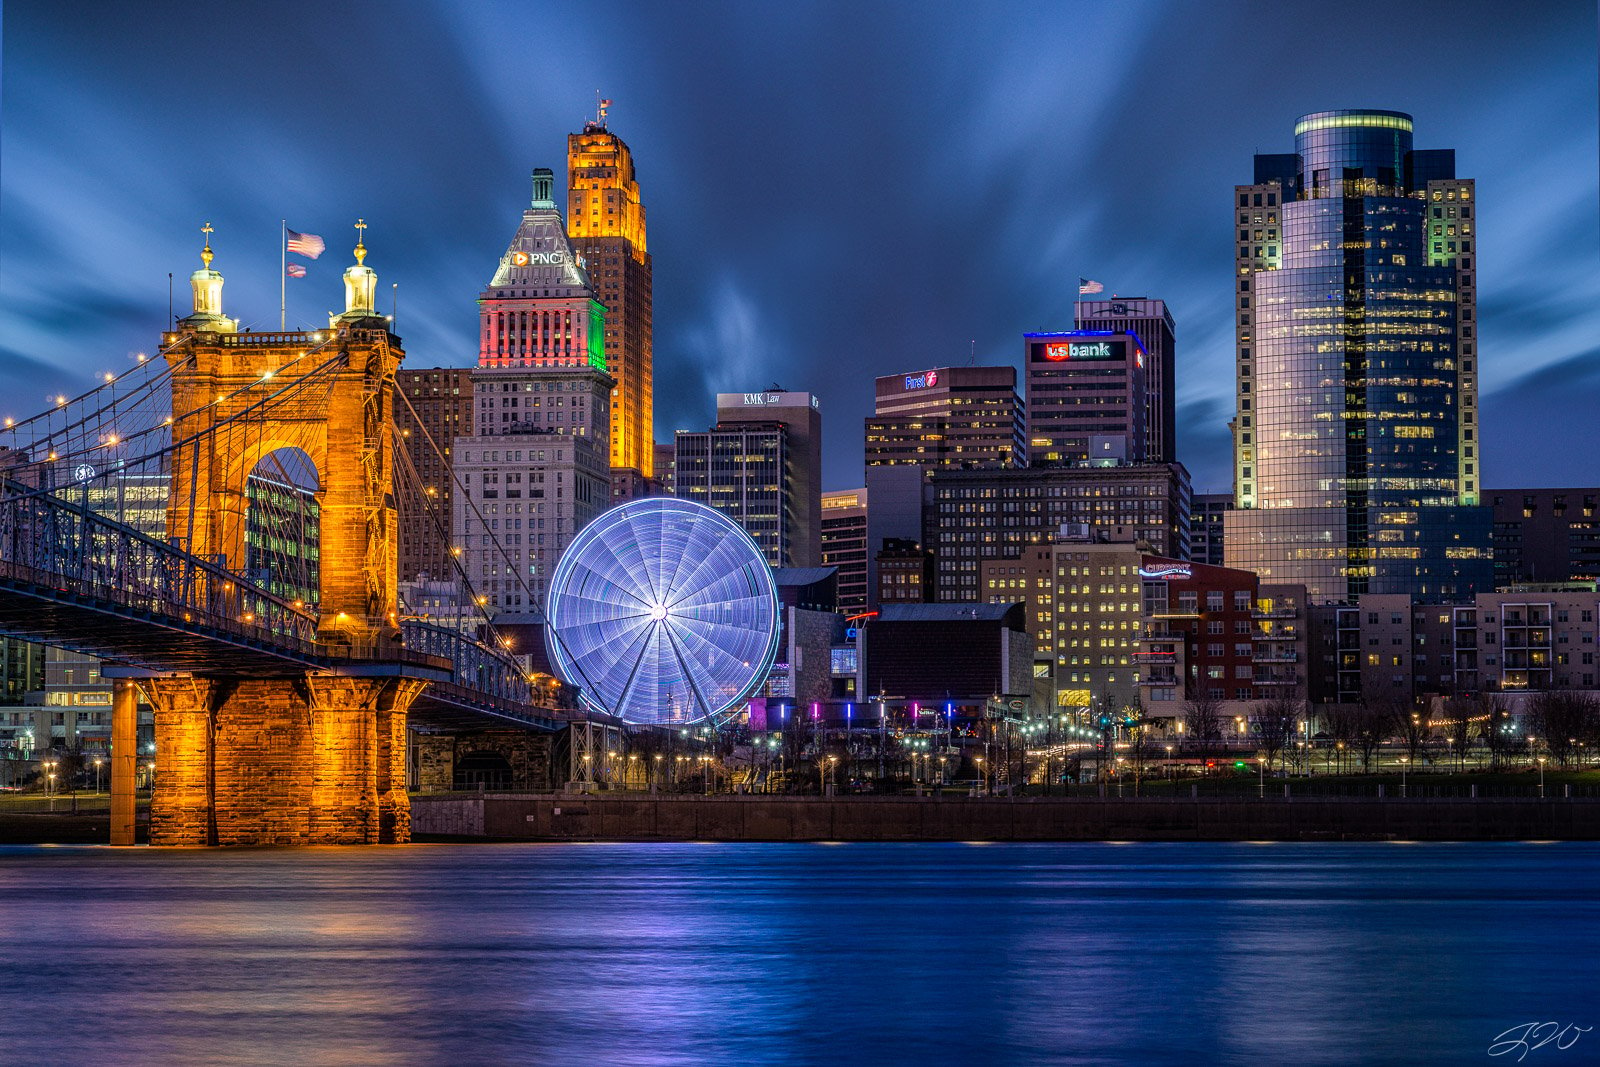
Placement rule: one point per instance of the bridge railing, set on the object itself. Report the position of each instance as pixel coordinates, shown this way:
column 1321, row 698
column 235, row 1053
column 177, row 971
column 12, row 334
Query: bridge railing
column 477, row 667
column 50, row 541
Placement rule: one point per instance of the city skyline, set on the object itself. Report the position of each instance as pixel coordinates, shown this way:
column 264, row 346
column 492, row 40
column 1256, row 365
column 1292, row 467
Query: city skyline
column 746, row 255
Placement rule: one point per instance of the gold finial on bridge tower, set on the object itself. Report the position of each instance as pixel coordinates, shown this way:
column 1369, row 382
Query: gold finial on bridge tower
column 205, row 253
column 361, row 248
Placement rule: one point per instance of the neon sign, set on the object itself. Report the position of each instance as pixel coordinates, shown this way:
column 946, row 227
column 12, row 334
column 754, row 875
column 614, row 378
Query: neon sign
column 1059, row 351
column 922, row 381
column 1167, row 571
column 538, row 259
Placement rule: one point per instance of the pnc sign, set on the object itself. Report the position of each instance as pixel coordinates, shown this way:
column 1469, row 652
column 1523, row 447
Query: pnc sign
column 922, row 381
column 538, row 259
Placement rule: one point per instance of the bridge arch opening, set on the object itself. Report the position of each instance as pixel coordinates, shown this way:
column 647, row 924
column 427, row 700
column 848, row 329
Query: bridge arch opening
column 283, row 524
column 488, row 771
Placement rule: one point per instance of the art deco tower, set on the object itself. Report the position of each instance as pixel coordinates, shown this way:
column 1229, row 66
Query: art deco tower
column 605, row 222
column 1356, row 439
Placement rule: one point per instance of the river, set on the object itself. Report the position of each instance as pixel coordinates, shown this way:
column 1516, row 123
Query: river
column 922, row 954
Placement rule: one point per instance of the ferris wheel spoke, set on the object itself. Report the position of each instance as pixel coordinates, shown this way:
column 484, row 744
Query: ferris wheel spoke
column 644, row 647
column 689, row 675
column 706, row 572
column 681, row 556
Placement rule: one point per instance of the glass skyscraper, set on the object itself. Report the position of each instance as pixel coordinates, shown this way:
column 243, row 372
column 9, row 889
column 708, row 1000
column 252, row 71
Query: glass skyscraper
column 1356, row 446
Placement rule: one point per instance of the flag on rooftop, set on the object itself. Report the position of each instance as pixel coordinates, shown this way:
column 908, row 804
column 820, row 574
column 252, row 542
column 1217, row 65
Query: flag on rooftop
column 295, row 270
column 1088, row 286
column 305, row 244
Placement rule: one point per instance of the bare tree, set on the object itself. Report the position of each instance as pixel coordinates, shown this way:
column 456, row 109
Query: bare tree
column 1412, row 726
column 1460, row 711
column 1493, row 726
column 1376, row 720
column 1202, row 717
column 1340, row 722
column 1274, row 724
column 1560, row 717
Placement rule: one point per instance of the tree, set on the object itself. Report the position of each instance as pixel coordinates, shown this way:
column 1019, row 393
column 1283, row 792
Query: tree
column 1494, row 726
column 1412, row 726
column 1560, row 718
column 1340, row 722
column 1375, row 722
column 1274, row 724
column 1458, row 730
column 1202, row 717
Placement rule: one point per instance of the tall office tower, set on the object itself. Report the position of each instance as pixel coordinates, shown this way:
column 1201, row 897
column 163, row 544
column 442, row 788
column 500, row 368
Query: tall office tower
column 534, row 470
column 433, row 407
column 761, row 465
column 960, row 417
column 974, row 516
column 605, row 221
column 844, row 545
column 1151, row 320
column 533, row 475
column 1205, row 527
column 1087, row 397
column 1356, row 439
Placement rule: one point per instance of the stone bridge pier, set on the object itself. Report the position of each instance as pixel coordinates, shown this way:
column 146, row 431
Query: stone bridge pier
column 310, row 760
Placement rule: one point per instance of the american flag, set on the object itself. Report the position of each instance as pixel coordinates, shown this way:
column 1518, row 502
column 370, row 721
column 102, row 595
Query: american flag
column 295, row 270
column 1088, row 286
column 305, row 244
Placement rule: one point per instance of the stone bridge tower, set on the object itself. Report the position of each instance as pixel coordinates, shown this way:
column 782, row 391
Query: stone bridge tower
column 309, row 756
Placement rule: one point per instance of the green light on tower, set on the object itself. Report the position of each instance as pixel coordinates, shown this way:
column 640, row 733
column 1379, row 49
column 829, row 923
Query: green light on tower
column 597, row 335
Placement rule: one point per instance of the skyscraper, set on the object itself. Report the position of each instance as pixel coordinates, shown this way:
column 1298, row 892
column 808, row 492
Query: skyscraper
column 1153, row 324
column 1356, row 440
column 761, row 465
column 960, row 417
column 531, row 468
column 844, row 545
column 433, row 407
column 1087, row 397
column 606, row 223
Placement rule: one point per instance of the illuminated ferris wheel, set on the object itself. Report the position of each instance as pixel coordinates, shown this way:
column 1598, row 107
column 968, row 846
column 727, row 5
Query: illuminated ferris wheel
column 663, row 611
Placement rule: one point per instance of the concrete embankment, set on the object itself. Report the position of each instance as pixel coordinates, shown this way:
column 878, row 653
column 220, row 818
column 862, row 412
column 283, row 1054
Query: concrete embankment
column 757, row 818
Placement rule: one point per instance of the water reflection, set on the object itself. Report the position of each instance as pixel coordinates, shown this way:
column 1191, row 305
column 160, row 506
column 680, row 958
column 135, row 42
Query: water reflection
column 699, row 954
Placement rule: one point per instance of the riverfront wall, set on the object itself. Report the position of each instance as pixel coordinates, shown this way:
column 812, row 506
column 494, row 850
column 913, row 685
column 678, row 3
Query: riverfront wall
column 738, row 818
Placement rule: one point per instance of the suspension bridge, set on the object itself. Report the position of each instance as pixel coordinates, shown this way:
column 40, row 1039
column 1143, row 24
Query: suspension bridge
column 218, row 523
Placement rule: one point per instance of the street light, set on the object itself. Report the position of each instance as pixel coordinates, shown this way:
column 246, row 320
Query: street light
column 1541, row 776
column 1403, row 761
column 97, row 762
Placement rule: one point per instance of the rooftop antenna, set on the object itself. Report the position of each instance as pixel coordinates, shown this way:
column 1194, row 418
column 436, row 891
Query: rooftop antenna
column 972, row 356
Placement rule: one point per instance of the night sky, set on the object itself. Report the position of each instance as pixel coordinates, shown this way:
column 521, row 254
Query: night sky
column 834, row 191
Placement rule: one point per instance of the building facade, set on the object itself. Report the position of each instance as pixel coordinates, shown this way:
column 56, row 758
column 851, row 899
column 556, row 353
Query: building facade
column 1545, row 535
column 433, row 407
column 535, row 470
column 974, row 516
column 1356, row 438
column 947, row 417
column 606, row 225
column 761, row 465
column 844, row 545
column 1206, row 527
column 1152, row 322
column 1087, row 397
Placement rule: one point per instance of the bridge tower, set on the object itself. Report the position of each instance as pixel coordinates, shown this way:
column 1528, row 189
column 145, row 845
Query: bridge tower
column 318, row 756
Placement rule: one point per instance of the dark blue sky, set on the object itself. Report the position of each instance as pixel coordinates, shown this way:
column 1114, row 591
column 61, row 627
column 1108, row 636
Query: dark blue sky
column 834, row 190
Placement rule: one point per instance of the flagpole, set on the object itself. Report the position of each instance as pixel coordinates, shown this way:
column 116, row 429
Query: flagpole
column 283, row 275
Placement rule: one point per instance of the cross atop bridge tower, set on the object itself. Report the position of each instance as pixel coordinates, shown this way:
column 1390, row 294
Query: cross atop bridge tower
column 343, row 424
